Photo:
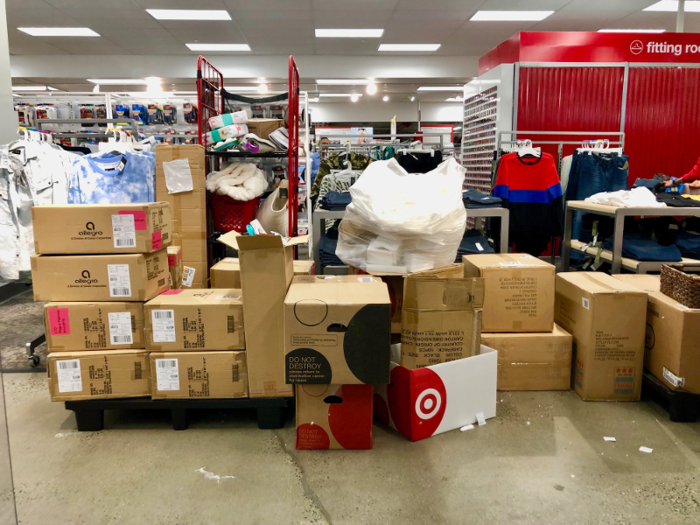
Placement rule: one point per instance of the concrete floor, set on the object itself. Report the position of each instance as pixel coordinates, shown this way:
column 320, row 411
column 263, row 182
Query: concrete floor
column 541, row 460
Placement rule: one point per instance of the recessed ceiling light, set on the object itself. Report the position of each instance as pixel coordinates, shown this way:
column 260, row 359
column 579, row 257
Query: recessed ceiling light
column 28, row 88
column 371, row 88
column 119, row 81
column 218, row 47
column 58, row 31
column 338, row 95
column 262, row 88
column 385, row 98
column 440, row 88
column 349, row 33
column 343, row 81
column 189, row 14
column 510, row 16
column 413, row 98
column 631, row 30
column 691, row 6
column 409, row 47
column 354, row 97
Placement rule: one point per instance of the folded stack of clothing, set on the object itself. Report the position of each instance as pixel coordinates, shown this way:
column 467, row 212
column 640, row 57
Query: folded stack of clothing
column 678, row 201
column 641, row 247
column 476, row 199
column 326, row 249
column 335, row 201
column 280, row 137
column 688, row 244
column 472, row 243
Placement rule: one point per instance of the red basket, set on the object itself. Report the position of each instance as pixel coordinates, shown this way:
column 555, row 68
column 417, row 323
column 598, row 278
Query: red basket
column 229, row 214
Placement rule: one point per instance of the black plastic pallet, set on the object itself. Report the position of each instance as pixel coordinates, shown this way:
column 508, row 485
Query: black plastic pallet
column 89, row 414
column 681, row 406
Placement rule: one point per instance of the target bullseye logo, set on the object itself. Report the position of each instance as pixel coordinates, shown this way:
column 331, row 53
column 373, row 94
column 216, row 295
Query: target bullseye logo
column 428, row 403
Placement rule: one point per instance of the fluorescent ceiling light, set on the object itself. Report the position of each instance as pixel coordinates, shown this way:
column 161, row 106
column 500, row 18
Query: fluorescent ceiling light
column 371, row 88
column 413, row 98
column 691, row 6
column 385, row 98
column 354, row 97
column 262, row 88
column 218, row 47
column 28, row 88
column 242, row 88
column 349, row 33
column 58, row 31
column 313, row 99
column 409, row 47
column 119, row 81
column 343, row 81
column 510, row 16
column 339, row 94
column 454, row 99
column 189, row 14
column 631, row 30
column 440, row 88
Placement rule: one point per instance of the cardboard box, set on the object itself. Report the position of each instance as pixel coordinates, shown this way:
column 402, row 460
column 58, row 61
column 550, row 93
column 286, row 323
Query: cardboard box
column 198, row 375
column 607, row 319
column 337, row 330
column 175, row 267
column 101, row 228
column 334, row 417
column 227, row 272
column 441, row 317
column 534, row 361
column 672, row 338
column 71, row 327
column 118, row 278
column 77, row 376
column 519, row 294
column 187, row 320
column 266, row 273
column 262, row 127
column 395, row 283
column 435, row 399
column 188, row 210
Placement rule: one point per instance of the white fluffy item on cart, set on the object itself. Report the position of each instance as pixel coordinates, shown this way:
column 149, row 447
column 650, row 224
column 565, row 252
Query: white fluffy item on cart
column 241, row 181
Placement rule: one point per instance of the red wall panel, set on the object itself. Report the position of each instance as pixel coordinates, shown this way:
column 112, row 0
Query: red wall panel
column 569, row 99
column 663, row 120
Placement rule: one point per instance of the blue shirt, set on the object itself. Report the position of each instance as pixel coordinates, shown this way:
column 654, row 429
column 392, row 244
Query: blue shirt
column 108, row 178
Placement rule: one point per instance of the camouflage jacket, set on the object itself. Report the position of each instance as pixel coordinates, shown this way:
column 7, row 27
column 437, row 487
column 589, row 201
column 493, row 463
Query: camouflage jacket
column 337, row 162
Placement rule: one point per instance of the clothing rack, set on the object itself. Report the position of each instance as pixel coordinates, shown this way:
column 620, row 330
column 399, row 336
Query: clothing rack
column 132, row 126
column 350, row 146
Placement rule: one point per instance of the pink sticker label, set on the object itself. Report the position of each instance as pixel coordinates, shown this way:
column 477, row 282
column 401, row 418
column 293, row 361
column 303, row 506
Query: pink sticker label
column 157, row 240
column 59, row 321
column 171, row 260
column 139, row 218
column 172, row 292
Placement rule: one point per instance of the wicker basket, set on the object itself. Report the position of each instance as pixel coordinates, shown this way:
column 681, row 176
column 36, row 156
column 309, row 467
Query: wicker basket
column 681, row 286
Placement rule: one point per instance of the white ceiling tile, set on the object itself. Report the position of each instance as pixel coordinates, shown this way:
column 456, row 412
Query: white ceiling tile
column 344, row 46
column 436, row 14
column 121, row 34
column 268, row 5
column 209, row 32
column 23, row 44
column 270, row 27
column 40, row 17
column 157, row 46
column 530, row 5
column 144, row 24
column 592, row 6
column 331, row 20
column 25, row 4
column 240, row 17
column 431, row 5
column 107, row 14
column 368, row 7
column 416, row 32
column 181, row 4
column 86, row 46
column 92, row 4
column 301, row 48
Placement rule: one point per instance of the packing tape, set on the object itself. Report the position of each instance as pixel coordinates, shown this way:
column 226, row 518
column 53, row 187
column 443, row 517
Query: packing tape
column 590, row 277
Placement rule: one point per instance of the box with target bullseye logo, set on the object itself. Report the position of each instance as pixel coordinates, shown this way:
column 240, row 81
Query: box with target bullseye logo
column 434, row 399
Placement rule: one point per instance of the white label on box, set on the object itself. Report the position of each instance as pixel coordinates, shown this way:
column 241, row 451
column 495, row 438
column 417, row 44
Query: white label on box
column 163, row 326
column 228, row 297
column 167, row 374
column 124, row 231
column 68, row 373
column 586, row 303
column 188, row 277
column 366, row 280
column 511, row 264
column 479, row 247
column 119, row 281
column 678, row 382
column 120, row 328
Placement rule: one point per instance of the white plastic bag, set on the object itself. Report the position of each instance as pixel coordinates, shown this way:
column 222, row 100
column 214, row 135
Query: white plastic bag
column 402, row 222
column 178, row 176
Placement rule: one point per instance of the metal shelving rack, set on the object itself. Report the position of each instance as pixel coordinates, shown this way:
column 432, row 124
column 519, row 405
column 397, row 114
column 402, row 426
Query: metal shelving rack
column 479, row 138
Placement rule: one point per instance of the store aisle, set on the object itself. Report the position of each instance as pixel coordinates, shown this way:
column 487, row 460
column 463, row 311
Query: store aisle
column 541, row 460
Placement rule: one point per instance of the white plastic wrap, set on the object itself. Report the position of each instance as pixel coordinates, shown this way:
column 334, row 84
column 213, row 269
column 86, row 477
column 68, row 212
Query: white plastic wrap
column 401, row 222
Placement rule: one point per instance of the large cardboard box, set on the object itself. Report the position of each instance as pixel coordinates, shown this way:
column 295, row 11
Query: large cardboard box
column 77, row 376
column 334, row 417
column 434, row 399
column 71, row 327
column 266, row 273
column 519, row 294
column 188, row 210
column 607, row 319
column 262, row 127
column 133, row 277
column 395, row 283
column 187, row 320
column 533, row 361
column 175, row 267
column 198, row 375
column 227, row 272
column 672, row 338
column 441, row 317
column 101, row 228
column 337, row 330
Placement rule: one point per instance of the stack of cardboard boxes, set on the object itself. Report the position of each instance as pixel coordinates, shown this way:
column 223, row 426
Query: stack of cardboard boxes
column 97, row 265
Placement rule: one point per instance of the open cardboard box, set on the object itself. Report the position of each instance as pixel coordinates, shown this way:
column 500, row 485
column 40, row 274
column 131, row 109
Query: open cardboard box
column 435, row 399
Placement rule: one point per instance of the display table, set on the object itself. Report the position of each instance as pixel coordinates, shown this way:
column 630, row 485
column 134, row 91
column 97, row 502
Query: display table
column 614, row 257
column 321, row 216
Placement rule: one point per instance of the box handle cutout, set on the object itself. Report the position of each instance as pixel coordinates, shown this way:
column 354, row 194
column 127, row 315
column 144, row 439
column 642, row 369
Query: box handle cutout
column 337, row 327
column 333, row 400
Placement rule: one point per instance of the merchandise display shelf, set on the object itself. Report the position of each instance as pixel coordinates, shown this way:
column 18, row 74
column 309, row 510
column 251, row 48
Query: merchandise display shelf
column 632, row 265
column 242, row 154
column 619, row 214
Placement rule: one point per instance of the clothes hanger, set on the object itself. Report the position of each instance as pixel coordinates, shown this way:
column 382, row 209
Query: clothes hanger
column 527, row 149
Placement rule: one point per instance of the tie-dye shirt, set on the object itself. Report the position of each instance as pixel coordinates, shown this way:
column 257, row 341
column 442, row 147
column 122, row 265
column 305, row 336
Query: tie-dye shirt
column 105, row 179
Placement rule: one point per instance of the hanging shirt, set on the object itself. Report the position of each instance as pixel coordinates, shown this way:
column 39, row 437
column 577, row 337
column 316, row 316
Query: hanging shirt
column 693, row 174
column 109, row 178
column 421, row 162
